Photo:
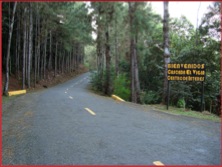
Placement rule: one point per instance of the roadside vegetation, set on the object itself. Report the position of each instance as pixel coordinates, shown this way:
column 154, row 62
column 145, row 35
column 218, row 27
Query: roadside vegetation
column 131, row 62
column 186, row 112
column 126, row 45
column 45, row 43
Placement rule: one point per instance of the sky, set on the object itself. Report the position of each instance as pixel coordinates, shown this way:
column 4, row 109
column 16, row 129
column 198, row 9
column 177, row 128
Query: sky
column 188, row 9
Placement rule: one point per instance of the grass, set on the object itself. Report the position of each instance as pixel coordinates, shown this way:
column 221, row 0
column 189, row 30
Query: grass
column 189, row 113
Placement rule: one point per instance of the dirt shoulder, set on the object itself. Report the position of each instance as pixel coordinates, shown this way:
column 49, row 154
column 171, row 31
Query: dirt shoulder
column 15, row 83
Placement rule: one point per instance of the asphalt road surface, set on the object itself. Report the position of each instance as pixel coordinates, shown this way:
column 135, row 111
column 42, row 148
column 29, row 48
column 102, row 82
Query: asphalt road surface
column 69, row 125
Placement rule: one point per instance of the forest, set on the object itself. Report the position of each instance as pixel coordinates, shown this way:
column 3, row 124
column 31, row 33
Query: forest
column 125, row 45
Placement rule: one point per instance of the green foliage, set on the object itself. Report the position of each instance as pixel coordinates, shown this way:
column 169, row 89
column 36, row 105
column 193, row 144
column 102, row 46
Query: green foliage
column 150, row 97
column 121, row 87
column 96, row 81
column 187, row 45
column 197, row 46
column 90, row 57
column 181, row 103
column 124, row 67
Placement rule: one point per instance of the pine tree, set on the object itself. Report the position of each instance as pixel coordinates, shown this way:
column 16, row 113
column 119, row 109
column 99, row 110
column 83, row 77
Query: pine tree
column 8, row 50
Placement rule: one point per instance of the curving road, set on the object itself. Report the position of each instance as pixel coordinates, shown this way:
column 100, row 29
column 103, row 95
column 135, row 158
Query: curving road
column 69, row 125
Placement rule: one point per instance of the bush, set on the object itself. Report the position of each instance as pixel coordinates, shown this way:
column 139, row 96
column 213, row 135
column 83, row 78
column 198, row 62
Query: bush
column 181, row 103
column 97, row 81
column 121, row 87
column 149, row 97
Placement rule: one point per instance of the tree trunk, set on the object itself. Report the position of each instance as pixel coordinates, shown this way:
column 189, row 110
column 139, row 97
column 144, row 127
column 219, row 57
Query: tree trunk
column 132, row 68
column 108, row 59
column 24, row 49
column 99, row 49
column 50, row 51
column 62, row 63
column 38, row 50
column 8, row 50
column 55, row 59
column 135, row 84
column 70, row 61
column 30, row 46
column 18, row 46
column 27, row 50
column 44, row 55
column 116, row 50
column 58, row 60
column 77, row 55
column 166, row 48
column 73, row 59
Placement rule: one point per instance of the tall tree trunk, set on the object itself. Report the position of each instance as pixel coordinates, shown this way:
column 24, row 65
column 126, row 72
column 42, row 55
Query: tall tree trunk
column 82, row 54
column 30, row 45
column 44, row 55
column 10, row 66
column 27, row 49
column 62, row 63
column 135, row 84
column 24, row 48
column 50, row 51
column 8, row 50
column 68, row 62
column 220, row 102
column 166, row 48
column 18, row 46
column 108, row 61
column 116, row 49
column 137, row 81
column 38, row 49
column 99, row 46
column 196, row 33
column 77, row 55
column 56, row 59
column 73, row 58
column 59, row 58
column 42, row 62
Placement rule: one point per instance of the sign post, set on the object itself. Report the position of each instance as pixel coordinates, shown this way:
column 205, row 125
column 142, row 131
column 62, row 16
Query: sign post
column 168, row 94
column 186, row 72
column 202, row 97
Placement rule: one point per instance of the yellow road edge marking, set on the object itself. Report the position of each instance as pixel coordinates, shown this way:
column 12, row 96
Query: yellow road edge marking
column 90, row 111
column 117, row 98
column 18, row 92
column 158, row 163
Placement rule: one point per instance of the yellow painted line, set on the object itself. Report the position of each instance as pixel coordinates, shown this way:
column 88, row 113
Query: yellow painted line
column 18, row 92
column 117, row 98
column 158, row 163
column 90, row 111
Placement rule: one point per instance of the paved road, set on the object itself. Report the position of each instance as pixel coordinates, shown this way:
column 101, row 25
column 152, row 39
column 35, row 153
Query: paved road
column 53, row 127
